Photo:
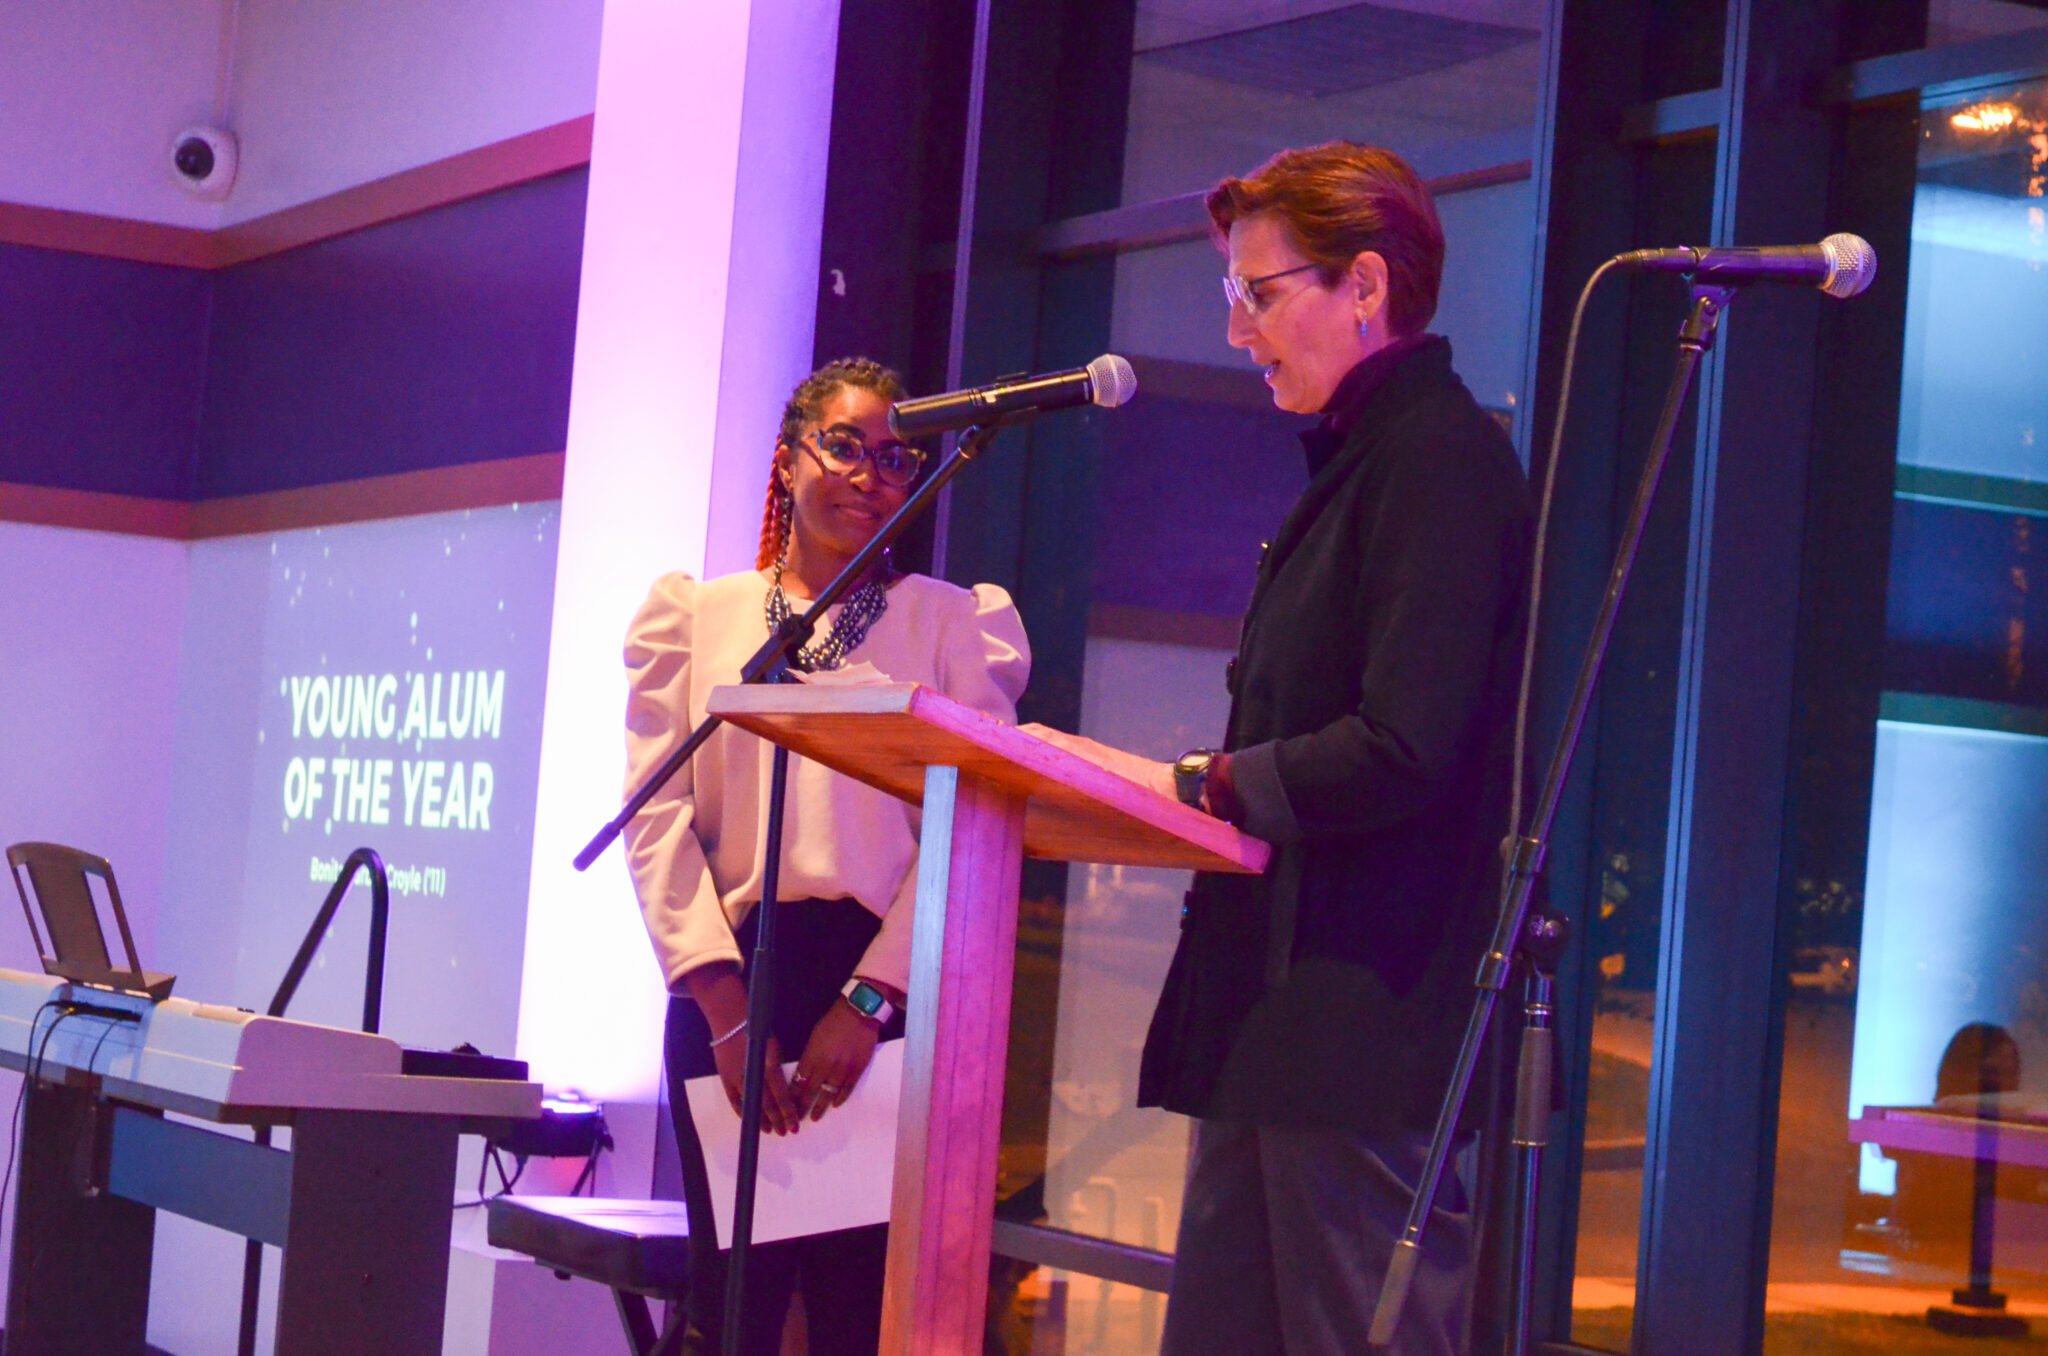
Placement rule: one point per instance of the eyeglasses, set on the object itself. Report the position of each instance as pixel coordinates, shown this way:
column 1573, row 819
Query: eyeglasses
column 1246, row 290
column 841, row 451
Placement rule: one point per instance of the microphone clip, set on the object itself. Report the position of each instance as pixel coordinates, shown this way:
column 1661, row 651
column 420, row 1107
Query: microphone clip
column 973, row 440
column 1703, row 317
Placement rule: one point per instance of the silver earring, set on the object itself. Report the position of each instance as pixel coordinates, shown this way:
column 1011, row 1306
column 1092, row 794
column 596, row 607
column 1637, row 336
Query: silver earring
column 1364, row 328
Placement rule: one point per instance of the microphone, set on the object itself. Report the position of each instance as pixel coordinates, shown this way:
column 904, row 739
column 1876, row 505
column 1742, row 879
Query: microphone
column 1108, row 381
column 1841, row 265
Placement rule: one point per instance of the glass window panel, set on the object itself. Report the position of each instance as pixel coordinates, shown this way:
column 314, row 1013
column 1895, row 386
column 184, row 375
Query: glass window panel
column 1912, row 1188
column 1623, row 923
column 1219, row 85
column 1950, row 22
column 1624, row 882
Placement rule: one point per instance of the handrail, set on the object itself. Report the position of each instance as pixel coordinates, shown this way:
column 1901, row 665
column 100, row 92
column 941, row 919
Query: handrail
column 362, row 859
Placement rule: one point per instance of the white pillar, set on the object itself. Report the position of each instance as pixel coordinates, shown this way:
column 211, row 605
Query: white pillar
column 700, row 264
column 772, row 309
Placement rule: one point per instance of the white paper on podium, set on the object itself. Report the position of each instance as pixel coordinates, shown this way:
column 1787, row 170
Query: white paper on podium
column 850, row 675
column 836, row 1173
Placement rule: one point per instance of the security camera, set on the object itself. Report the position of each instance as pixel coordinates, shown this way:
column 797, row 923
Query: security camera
column 203, row 160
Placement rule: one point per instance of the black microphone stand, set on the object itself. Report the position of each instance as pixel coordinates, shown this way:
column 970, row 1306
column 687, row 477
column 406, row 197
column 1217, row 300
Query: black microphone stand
column 1534, row 939
column 771, row 664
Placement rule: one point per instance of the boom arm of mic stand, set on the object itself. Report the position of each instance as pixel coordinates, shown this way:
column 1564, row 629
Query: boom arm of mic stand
column 773, row 656
column 1695, row 337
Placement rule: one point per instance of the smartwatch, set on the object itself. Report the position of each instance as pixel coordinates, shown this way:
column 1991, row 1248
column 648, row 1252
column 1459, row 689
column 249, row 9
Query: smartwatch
column 1191, row 775
column 868, row 1001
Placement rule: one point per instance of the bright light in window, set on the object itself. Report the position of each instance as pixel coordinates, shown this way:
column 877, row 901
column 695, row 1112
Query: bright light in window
column 1985, row 117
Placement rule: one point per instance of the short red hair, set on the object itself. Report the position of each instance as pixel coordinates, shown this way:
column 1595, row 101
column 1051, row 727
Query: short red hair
column 1338, row 200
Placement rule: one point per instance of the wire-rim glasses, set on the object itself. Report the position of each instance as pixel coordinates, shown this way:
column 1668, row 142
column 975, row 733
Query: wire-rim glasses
column 1243, row 290
column 841, row 451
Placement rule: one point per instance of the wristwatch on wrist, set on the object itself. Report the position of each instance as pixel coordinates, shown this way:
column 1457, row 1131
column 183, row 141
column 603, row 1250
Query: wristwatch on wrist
column 868, row 1001
column 1191, row 775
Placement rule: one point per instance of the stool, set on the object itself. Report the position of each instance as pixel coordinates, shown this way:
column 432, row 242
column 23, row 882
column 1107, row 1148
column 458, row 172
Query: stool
column 641, row 1249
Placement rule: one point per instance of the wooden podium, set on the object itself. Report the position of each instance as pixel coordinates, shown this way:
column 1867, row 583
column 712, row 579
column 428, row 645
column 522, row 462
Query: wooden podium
column 991, row 794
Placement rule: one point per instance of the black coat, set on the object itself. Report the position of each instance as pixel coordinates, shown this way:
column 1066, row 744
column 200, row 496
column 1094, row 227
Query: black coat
column 1378, row 659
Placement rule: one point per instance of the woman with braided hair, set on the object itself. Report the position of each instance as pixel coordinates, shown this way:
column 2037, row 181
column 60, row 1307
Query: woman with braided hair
column 849, row 853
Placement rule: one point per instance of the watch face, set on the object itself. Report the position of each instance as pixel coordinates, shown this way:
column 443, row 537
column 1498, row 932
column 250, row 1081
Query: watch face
column 866, row 999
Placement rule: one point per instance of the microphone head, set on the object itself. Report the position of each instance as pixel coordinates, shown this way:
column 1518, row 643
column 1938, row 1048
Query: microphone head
column 1112, row 380
column 1852, row 264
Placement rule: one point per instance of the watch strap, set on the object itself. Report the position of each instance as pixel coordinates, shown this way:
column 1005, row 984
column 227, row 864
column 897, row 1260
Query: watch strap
column 1191, row 775
column 867, row 1000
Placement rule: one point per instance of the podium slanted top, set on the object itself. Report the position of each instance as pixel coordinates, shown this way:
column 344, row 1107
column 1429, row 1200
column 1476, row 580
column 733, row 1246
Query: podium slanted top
column 887, row 734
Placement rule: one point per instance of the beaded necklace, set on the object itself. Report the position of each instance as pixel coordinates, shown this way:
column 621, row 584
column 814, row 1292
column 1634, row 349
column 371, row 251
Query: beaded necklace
column 861, row 611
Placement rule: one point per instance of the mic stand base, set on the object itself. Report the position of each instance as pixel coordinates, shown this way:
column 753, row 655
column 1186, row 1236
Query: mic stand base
column 1525, row 860
column 1542, row 945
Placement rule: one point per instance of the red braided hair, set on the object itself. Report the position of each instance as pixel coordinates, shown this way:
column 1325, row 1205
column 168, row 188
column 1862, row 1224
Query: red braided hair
column 774, row 527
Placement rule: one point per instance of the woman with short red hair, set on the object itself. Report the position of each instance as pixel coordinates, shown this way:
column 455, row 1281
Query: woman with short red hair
column 1312, row 1014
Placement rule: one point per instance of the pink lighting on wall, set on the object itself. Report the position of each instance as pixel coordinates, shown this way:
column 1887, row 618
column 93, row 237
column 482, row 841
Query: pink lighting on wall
column 706, row 179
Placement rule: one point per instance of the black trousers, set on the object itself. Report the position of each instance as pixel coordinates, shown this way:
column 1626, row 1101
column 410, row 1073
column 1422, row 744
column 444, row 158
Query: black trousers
column 1286, row 1235
column 817, row 944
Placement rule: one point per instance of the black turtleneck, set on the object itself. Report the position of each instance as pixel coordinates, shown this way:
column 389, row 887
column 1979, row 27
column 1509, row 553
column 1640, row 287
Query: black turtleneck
column 1246, row 791
column 1348, row 401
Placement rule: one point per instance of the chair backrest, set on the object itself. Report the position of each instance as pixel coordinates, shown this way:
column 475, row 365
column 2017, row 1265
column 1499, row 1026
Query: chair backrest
column 56, row 882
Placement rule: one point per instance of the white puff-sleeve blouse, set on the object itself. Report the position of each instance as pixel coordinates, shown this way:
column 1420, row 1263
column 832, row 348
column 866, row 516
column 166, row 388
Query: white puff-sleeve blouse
column 695, row 850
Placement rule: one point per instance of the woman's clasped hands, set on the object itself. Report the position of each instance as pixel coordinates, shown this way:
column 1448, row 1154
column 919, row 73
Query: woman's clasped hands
column 838, row 1052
